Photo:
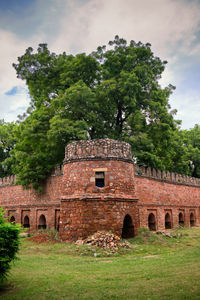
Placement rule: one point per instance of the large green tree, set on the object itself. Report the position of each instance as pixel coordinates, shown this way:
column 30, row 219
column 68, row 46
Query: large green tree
column 7, row 143
column 191, row 142
column 114, row 92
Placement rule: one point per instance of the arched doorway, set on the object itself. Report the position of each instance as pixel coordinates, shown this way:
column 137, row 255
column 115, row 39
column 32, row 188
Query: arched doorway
column 152, row 222
column 12, row 219
column 26, row 223
column 128, row 228
column 168, row 224
column 192, row 220
column 42, row 222
column 181, row 219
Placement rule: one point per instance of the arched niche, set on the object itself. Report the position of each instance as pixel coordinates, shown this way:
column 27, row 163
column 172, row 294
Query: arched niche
column 128, row 228
column 152, row 222
column 12, row 219
column 181, row 219
column 192, row 219
column 26, row 223
column 168, row 223
column 42, row 222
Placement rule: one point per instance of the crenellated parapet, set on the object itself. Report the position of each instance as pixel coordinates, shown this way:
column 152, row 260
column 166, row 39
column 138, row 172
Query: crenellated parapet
column 166, row 176
column 9, row 180
column 105, row 149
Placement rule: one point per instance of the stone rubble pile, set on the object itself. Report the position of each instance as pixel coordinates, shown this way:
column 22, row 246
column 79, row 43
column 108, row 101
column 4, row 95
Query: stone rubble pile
column 105, row 241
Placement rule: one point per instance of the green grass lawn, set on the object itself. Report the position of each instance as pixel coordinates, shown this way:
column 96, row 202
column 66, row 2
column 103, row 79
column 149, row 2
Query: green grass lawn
column 154, row 268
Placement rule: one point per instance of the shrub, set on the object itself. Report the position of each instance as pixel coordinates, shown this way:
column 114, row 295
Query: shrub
column 9, row 244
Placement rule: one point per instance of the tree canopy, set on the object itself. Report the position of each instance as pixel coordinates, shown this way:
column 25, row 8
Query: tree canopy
column 113, row 92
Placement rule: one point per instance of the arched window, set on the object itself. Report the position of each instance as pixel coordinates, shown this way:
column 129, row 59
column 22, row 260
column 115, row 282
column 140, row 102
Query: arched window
column 128, row 228
column 192, row 219
column 181, row 219
column 12, row 219
column 168, row 224
column 26, row 223
column 151, row 222
column 42, row 222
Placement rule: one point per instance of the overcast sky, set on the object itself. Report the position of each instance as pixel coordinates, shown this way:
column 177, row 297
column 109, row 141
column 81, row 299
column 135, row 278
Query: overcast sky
column 171, row 26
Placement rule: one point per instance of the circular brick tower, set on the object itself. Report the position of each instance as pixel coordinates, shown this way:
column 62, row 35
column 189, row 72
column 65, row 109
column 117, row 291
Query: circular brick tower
column 99, row 190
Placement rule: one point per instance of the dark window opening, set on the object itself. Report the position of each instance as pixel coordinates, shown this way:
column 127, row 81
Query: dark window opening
column 128, row 228
column 57, row 219
column 58, row 224
column 168, row 224
column 42, row 222
column 152, row 222
column 192, row 220
column 99, row 179
column 12, row 220
column 26, row 223
column 181, row 219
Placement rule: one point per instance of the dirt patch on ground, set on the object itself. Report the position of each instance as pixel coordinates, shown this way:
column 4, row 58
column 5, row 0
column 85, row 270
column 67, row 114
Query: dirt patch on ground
column 42, row 238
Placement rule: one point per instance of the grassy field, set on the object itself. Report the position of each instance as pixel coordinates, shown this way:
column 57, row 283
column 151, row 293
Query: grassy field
column 154, row 268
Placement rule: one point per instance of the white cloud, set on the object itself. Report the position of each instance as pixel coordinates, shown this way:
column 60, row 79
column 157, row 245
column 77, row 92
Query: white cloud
column 188, row 106
column 11, row 48
column 13, row 105
column 171, row 27
column 162, row 23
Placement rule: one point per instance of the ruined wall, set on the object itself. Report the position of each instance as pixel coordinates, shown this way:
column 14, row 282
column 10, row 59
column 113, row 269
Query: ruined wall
column 20, row 203
column 160, row 193
column 80, row 218
column 73, row 202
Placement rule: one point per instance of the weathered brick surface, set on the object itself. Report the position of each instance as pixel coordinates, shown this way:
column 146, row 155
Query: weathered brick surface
column 72, row 203
column 159, row 197
column 81, row 218
column 19, row 203
column 79, row 178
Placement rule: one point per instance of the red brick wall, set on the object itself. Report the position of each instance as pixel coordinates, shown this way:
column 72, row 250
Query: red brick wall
column 159, row 197
column 83, row 208
column 79, row 178
column 81, row 218
column 20, row 203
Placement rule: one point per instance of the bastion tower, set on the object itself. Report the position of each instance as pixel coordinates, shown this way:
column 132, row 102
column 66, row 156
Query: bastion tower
column 99, row 190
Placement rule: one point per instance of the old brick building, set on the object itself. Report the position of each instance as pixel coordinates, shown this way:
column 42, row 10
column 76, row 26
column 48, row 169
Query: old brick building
column 99, row 188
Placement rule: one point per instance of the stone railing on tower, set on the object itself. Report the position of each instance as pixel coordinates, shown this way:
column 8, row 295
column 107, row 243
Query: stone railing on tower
column 98, row 149
column 166, row 176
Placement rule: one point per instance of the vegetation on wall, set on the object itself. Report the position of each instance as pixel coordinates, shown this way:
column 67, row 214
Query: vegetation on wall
column 113, row 92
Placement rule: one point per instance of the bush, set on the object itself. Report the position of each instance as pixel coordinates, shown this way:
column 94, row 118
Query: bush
column 9, row 244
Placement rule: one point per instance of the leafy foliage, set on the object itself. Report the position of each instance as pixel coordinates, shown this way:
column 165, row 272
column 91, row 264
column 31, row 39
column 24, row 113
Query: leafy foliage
column 191, row 141
column 113, row 92
column 7, row 142
column 9, row 245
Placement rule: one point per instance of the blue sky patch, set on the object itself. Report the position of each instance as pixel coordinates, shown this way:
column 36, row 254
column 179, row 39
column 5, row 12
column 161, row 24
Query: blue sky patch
column 12, row 92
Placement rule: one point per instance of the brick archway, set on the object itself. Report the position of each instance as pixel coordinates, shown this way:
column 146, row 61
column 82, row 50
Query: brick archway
column 181, row 221
column 168, row 223
column 192, row 219
column 42, row 222
column 26, row 223
column 152, row 222
column 12, row 219
column 128, row 228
